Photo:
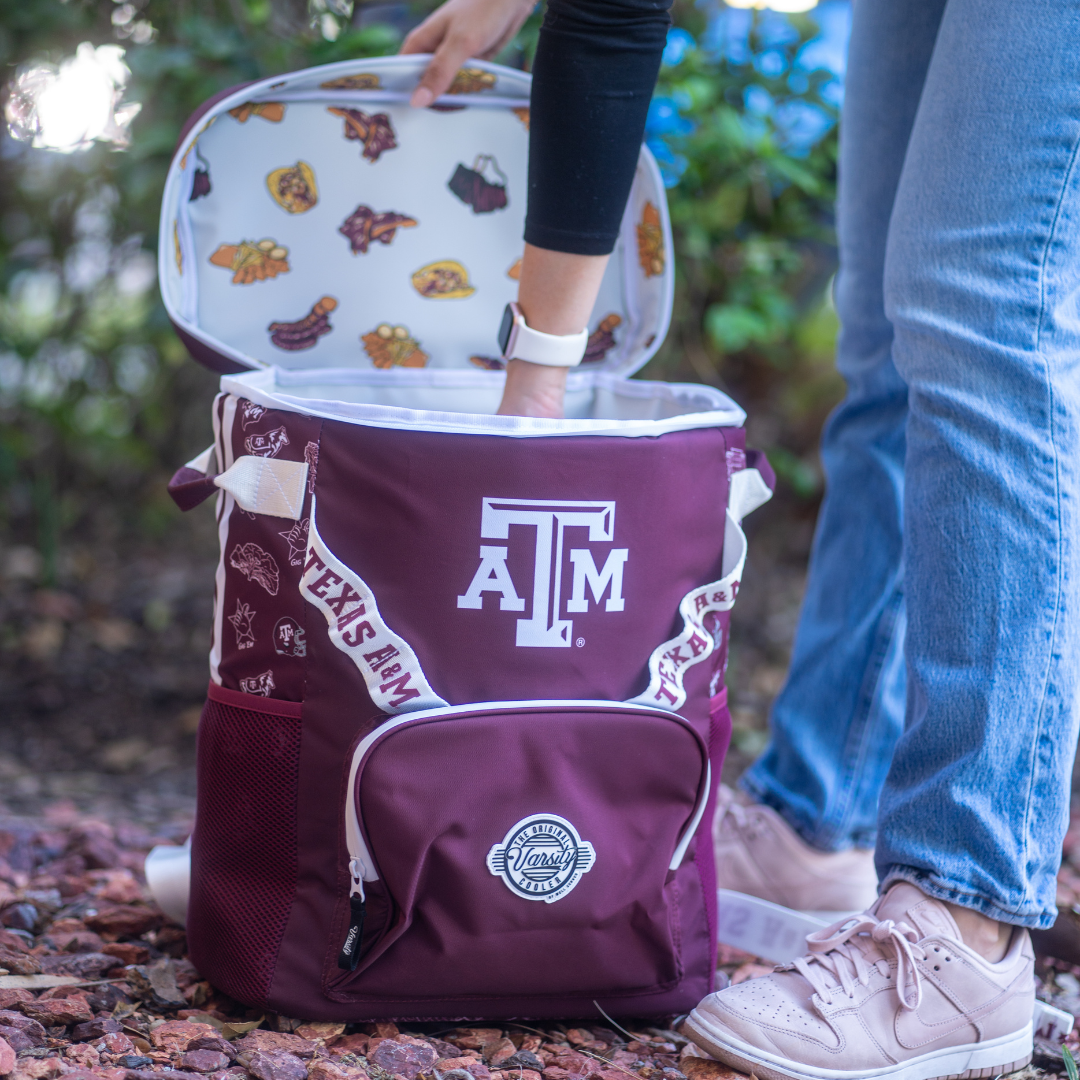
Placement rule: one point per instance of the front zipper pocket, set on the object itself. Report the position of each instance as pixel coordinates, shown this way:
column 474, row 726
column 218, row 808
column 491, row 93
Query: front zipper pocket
column 518, row 848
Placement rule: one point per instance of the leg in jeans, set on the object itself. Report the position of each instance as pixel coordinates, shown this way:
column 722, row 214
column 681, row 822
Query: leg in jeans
column 838, row 717
column 982, row 289
column 982, row 286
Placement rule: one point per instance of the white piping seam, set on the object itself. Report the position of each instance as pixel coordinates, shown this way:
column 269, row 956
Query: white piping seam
column 185, row 237
column 223, row 440
column 398, row 418
column 699, row 813
column 354, row 841
column 389, row 97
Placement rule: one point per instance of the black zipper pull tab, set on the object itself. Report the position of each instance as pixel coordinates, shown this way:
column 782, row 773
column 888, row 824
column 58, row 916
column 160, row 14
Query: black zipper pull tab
column 350, row 951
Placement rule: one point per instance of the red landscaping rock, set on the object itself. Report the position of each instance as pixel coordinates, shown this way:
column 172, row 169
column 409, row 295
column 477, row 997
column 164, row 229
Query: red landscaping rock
column 474, row 1038
column 127, row 952
column 203, row 1061
column 74, row 941
column 349, row 1044
column 175, row 1035
column 57, row 1012
column 93, row 1029
column 83, row 1055
column 11, row 941
column 262, row 1040
column 116, row 1042
column 7, row 1057
column 276, row 1065
column 129, row 920
column 212, row 1042
column 18, row 963
column 19, row 1022
column 329, row 1070
column 8, row 998
column 497, row 1051
column 406, row 1059
column 86, row 966
column 320, row 1031
column 697, row 1068
column 385, row 1030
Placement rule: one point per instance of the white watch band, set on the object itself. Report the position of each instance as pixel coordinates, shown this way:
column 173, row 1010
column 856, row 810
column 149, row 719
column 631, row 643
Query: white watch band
column 550, row 350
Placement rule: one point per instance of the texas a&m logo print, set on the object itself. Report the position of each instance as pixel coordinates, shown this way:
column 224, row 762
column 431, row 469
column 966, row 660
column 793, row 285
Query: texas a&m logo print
column 542, row 857
column 545, row 627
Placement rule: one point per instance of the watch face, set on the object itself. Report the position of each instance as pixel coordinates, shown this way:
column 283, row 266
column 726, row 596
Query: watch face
column 505, row 328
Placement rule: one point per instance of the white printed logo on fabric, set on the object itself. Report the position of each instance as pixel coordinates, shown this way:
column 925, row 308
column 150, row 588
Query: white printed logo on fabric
column 390, row 668
column 545, row 628
column 541, row 858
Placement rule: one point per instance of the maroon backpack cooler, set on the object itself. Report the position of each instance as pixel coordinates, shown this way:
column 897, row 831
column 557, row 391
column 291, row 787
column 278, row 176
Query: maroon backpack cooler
column 466, row 712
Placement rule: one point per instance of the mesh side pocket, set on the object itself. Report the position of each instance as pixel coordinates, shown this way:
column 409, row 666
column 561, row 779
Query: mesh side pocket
column 244, row 847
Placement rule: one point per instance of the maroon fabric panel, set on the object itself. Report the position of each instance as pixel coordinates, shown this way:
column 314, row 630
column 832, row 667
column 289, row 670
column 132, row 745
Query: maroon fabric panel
column 207, row 356
column 265, row 620
column 756, row 459
column 189, row 487
column 704, row 857
column 436, row 804
column 403, row 508
column 204, row 108
column 243, row 857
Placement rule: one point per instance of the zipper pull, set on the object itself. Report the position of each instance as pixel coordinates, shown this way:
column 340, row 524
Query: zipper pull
column 350, row 951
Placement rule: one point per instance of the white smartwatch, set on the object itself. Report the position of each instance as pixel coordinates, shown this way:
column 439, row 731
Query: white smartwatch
column 519, row 342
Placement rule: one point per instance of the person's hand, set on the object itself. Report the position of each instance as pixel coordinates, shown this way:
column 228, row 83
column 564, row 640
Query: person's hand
column 458, row 30
column 533, row 390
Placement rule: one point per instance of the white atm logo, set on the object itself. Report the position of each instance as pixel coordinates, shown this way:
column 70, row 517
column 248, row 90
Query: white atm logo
column 550, row 518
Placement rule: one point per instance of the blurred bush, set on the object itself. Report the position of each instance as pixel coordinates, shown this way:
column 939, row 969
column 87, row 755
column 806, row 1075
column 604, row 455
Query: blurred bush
column 744, row 126
column 98, row 402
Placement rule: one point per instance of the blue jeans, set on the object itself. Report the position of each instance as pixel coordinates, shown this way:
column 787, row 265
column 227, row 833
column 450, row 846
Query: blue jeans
column 930, row 706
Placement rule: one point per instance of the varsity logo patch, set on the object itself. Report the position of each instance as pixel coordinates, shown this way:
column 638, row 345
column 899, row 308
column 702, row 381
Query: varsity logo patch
column 542, row 857
column 545, row 627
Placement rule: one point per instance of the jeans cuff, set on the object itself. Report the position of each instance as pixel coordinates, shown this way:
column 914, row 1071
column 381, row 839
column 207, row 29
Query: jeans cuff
column 819, row 840
column 940, row 890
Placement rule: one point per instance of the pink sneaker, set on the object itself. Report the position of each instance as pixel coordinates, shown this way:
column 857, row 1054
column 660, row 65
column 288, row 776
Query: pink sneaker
column 760, row 854
column 892, row 993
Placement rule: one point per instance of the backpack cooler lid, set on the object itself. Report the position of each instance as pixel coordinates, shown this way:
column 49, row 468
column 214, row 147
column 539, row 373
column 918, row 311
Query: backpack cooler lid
column 316, row 220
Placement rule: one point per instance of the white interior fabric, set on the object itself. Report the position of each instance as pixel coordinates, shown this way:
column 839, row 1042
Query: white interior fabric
column 465, row 401
column 219, row 205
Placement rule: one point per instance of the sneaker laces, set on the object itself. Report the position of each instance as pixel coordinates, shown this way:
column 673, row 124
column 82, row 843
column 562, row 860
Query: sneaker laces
column 855, row 948
column 729, row 807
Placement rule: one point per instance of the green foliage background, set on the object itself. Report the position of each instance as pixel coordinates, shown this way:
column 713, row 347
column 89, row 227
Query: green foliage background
column 98, row 401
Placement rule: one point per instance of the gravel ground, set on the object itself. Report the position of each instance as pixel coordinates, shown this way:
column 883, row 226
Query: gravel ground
column 95, row 982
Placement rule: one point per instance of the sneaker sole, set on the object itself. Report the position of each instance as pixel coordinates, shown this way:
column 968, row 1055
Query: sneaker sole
column 972, row 1061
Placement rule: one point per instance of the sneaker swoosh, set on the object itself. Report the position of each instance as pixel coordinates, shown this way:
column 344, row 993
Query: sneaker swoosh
column 913, row 1032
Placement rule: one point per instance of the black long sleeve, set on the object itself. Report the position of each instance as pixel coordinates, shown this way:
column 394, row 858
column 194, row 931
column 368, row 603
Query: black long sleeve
column 595, row 69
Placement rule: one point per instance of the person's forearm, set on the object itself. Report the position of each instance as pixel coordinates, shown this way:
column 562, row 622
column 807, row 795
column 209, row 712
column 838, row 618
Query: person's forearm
column 595, row 68
column 556, row 296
